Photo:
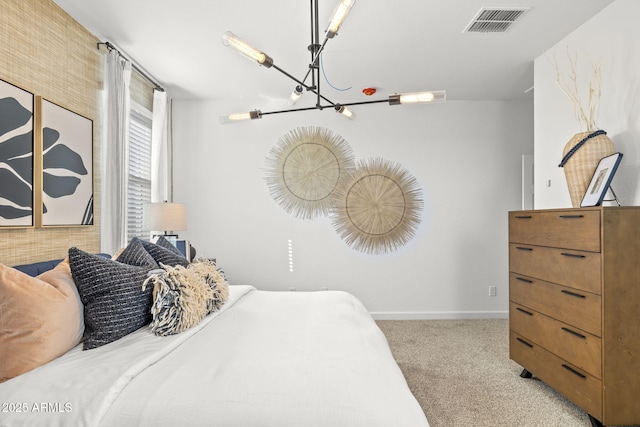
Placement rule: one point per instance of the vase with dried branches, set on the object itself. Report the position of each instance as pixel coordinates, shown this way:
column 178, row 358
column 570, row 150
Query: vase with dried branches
column 585, row 149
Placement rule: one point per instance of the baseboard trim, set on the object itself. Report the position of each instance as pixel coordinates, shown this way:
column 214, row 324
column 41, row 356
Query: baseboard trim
column 438, row 315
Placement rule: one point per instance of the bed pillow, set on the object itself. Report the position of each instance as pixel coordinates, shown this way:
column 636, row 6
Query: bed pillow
column 135, row 254
column 40, row 318
column 216, row 280
column 163, row 255
column 114, row 302
column 62, row 279
column 181, row 299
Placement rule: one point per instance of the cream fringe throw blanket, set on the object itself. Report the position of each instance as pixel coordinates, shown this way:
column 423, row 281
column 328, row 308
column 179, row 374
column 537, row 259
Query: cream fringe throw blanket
column 182, row 297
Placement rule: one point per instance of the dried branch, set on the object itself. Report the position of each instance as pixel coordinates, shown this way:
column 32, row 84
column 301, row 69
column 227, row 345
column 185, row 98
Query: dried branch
column 571, row 90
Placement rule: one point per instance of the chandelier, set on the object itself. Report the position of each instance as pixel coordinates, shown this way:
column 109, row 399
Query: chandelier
column 316, row 48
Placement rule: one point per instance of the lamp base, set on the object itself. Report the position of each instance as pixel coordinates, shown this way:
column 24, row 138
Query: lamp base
column 170, row 237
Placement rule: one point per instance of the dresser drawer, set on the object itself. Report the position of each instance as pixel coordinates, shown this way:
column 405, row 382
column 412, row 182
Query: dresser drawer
column 572, row 229
column 565, row 341
column 578, row 308
column 574, row 269
column 578, row 386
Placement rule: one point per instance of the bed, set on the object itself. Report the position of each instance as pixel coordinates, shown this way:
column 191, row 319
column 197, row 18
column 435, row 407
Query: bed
column 262, row 358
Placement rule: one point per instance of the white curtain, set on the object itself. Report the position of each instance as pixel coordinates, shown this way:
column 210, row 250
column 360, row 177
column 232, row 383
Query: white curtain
column 115, row 153
column 161, row 145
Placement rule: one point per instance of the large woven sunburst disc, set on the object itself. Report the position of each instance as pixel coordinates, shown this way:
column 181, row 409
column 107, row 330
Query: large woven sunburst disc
column 378, row 207
column 304, row 168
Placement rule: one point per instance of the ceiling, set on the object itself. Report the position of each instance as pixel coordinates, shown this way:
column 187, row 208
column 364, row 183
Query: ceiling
column 393, row 46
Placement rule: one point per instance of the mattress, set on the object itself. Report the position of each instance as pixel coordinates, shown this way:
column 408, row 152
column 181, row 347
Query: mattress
column 265, row 359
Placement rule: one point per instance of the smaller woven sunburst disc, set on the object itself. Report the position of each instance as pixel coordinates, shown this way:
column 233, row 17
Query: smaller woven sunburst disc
column 304, row 168
column 378, row 207
column 375, row 204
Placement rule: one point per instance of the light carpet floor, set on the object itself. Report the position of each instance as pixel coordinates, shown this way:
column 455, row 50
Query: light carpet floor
column 460, row 372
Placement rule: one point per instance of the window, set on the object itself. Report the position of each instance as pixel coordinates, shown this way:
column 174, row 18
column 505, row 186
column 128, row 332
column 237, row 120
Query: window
column 139, row 190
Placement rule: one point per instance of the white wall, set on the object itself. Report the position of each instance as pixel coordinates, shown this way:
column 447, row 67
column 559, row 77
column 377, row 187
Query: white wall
column 613, row 38
column 465, row 155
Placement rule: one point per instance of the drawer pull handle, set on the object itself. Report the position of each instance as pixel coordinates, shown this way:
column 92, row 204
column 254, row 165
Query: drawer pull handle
column 524, row 216
column 524, row 311
column 524, row 280
column 573, row 371
column 524, row 342
column 572, row 255
column 574, row 333
column 523, row 249
column 573, row 294
column 571, row 216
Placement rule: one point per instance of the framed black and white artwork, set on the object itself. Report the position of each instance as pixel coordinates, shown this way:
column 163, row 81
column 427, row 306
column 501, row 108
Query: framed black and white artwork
column 16, row 156
column 67, row 167
column 601, row 180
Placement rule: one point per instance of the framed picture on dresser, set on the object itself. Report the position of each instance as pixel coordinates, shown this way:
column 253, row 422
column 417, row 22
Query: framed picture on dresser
column 601, row 180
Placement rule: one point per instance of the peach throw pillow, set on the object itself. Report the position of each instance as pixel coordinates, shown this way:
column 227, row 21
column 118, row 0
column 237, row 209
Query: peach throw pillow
column 41, row 318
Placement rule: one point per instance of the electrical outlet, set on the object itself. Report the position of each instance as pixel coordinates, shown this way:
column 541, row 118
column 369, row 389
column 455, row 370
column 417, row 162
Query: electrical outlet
column 292, row 289
column 492, row 291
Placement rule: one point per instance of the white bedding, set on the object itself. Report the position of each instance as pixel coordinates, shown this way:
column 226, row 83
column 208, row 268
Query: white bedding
column 266, row 359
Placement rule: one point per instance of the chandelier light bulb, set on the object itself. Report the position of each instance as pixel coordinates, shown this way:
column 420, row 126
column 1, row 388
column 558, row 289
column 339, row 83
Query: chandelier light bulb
column 238, row 117
column 418, row 97
column 345, row 112
column 245, row 49
column 339, row 15
column 296, row 93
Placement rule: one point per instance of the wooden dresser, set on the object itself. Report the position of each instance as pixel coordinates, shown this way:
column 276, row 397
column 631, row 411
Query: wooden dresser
column 574, row 306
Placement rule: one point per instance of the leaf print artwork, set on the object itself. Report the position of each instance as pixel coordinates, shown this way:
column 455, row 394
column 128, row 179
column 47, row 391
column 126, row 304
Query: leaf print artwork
column 16, row 156
column 67, row 178
column 63, row 158
column 14, row 115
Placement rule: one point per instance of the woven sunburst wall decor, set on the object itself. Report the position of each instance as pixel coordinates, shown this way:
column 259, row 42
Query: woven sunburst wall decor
column 305, row 167
column 378, row 207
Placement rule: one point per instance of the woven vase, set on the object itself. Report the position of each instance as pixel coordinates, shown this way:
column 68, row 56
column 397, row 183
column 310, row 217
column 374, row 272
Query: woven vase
column 579, row 168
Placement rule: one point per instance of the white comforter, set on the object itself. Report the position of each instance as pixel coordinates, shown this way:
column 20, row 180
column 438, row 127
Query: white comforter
column 266, row 359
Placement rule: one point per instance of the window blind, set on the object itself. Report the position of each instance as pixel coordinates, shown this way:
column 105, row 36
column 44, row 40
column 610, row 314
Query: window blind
column 139, row 189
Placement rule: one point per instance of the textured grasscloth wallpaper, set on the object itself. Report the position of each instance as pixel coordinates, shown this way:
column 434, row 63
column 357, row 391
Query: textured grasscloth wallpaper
column 47, row 53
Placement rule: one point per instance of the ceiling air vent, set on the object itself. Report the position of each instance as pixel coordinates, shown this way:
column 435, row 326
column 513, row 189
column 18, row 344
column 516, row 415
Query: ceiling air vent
column 495, row 19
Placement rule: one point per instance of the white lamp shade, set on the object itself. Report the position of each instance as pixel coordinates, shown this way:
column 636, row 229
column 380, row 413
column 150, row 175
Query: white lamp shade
column 167, row 216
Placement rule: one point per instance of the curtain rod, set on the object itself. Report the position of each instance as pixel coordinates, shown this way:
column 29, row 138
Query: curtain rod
column 151, row 80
